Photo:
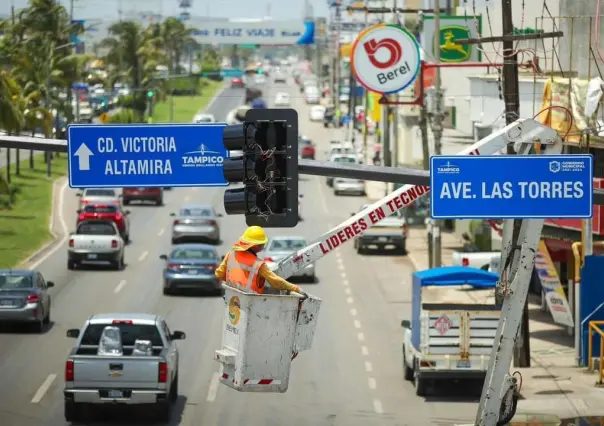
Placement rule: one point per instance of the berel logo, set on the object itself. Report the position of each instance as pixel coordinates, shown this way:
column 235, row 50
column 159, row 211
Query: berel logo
column 395, row 52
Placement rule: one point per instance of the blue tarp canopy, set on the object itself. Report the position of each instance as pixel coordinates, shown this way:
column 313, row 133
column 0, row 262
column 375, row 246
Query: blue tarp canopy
column 456, row 275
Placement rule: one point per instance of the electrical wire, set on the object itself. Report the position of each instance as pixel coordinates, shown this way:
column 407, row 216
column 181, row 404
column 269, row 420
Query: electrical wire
column 569, row 115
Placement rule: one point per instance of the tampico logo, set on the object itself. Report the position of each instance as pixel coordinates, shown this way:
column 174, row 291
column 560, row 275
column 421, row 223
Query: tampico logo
column 234, row 310
column 554, row 166
column 450, row 51
column 448, row 168
column 203, row 157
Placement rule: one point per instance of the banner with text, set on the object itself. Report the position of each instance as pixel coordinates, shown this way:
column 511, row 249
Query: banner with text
column 262, row 32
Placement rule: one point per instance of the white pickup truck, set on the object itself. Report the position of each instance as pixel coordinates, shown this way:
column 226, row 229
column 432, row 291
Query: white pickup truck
column 486, row 260
column 123, row 359
column 448, row 338
column 93, row 242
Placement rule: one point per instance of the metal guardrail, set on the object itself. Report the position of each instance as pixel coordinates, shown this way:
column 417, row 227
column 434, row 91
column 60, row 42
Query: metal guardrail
column 594, row 327
column 310, row 167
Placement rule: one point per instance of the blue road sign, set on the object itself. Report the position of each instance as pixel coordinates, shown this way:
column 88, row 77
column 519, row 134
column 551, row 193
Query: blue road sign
column 159, row 155
column 79, row 86
column 512, row 187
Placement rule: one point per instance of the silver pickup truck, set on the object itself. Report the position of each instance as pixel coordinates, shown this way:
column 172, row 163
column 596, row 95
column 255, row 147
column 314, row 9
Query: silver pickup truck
column 390, row 232
column 96, row 241
column 129, row 359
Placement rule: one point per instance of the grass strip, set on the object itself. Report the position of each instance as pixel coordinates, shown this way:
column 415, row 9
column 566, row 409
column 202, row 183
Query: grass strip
column 185, row 107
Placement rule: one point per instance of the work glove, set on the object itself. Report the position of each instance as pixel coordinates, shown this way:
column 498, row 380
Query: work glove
column 302, row 292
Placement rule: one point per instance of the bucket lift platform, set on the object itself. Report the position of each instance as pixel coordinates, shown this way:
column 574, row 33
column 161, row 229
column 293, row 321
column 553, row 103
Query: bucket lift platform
column 261, row 335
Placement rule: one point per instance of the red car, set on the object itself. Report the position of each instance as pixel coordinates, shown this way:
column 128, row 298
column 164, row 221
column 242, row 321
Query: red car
column 307, row 149
column 112, row 212
column 155, row 195
column 237, row 82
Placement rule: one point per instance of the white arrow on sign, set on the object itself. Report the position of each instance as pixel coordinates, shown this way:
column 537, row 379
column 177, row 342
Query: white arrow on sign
column 83, row 153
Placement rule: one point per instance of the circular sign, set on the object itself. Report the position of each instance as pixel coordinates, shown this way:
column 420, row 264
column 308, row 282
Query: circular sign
column 104, row 117
column 234, row 310
column 385, row 58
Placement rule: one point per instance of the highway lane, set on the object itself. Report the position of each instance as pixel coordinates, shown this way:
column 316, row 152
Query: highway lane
column 34, row 363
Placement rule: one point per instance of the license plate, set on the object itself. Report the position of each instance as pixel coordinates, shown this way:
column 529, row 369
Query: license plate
column 464, row 364
column 6, row 303
column 91, row 256
column 115, row 394
column 382, row 239
column 193, row 272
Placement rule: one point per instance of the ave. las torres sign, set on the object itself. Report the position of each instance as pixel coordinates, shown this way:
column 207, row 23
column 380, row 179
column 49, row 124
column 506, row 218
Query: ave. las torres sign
column 385, row 58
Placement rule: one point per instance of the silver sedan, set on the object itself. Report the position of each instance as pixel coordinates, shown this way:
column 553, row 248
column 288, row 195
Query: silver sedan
column 100, row 195
column 348, row 186
column 278, row 248
column 196, row 223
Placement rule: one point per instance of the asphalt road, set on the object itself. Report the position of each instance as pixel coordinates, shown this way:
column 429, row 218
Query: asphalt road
column 352, row 375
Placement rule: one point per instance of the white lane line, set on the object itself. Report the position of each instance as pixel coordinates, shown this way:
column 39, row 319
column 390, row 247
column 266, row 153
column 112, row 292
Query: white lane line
column 142, row 256
column 43, row 389
column 63, row 224
column 194, row 189
column 353, row 312
column 161, row 232
column 343, row 275
column 350, row 300
column 323, row 199
column 368, row 367
column 364, row 350
column 357, row 324
column 187, row 198
column 339, row 260
column 341, row 267
column 345, row 283
column 213, row 389
column 371, row 383
column 338, row 256
column 361, row 337
column 120, row 286
column 347, row 290
column 377, row 406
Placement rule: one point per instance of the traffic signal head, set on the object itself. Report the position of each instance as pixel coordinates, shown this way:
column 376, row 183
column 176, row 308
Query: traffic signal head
column 268, row 168
column 150, row 94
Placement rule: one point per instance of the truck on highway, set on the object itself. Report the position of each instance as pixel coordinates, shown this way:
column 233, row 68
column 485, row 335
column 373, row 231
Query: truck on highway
column 449, row 337
column 94, row 242
column 390, row 232
column 126, row 359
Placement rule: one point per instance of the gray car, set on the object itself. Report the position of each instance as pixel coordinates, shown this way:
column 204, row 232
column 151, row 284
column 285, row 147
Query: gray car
column 24, row 297
column 191, row 267
column 196, row 223
column 278, row 248
column 100, row 195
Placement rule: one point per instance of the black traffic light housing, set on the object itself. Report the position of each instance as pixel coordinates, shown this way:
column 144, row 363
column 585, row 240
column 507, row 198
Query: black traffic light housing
column 268, row 168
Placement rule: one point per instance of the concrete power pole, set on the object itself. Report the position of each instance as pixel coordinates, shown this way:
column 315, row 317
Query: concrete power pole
column 437, row 127
column 337, row 65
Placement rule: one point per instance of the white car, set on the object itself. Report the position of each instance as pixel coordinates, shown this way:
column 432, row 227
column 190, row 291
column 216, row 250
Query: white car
column 317, row 113
column 348, row 186
column 282, row 100
column 260, row 79
column 204, row 118
column 341, row 158
column 237, row 116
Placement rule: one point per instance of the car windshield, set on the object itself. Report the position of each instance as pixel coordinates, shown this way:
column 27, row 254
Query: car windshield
column 286, row 245
column 96, row 229
column 130, row 333
column 196, row 211
column 193, row 253
column 99, row 193
column 96, row 208
column 15, row 282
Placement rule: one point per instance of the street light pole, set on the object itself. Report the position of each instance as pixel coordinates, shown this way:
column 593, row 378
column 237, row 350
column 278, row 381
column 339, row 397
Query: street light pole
column 47, row 155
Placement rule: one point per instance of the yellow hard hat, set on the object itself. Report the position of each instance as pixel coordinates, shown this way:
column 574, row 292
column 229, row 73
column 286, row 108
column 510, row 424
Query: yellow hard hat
column 254, row 235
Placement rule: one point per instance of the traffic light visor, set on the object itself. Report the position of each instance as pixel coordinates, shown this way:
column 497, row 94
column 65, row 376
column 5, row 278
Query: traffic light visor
column 239, row 201
column 235, row 136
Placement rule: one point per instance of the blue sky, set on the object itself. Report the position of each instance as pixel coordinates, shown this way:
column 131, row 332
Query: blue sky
column 100, row 9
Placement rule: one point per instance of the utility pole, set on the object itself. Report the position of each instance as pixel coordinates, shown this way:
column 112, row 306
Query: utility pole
column 522, row 350
column 394, row 142
column 365, row 100
column 437, row 127
column 337, row 65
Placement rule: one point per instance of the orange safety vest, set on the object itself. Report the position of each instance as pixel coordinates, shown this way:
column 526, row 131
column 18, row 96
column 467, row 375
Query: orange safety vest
column 242, row 272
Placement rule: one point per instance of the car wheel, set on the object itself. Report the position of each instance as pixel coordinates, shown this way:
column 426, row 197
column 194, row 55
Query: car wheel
column 312, row 279
column 71, row 265
column 126, row 202
column 164, row 411
column 336, row 192
column 174, row 389
column 167, row 291
column 118, row 265
column 46, row 320
column 421, row 385
column 127, row 239
column 72, row 412
column 39, row 325
column 174, row 241
column 159, row 202
column 407, row 371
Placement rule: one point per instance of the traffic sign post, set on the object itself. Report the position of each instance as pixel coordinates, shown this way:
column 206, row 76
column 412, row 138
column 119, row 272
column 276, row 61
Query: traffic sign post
column 104, row 118
column 385, row 58
column 168, row 155
column 511, row 187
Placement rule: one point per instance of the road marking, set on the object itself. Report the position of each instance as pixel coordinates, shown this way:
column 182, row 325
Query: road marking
column 323, row 198
column 357, row 324
column 361, row 337
column 120, row 286
column 368, row 367
column 142, row 256
column 377, row 406
column 341, row 267
column 161, row 232
column 364, row 350
column 213, row 389
column 43, row 388
column 347, row 290
column 372, row 383
column 350, row 300
column 345, row 283
column 353, row 312
column 64, row 229
column 339, row 260
column 343, row 275
column 338, row 255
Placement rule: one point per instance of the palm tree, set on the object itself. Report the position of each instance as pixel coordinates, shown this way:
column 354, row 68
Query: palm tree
column 176, row 38
column 11, row 118
column 125, row 43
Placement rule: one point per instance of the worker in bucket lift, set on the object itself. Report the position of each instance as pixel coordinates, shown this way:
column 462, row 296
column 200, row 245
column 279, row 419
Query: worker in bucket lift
column 242, row 269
